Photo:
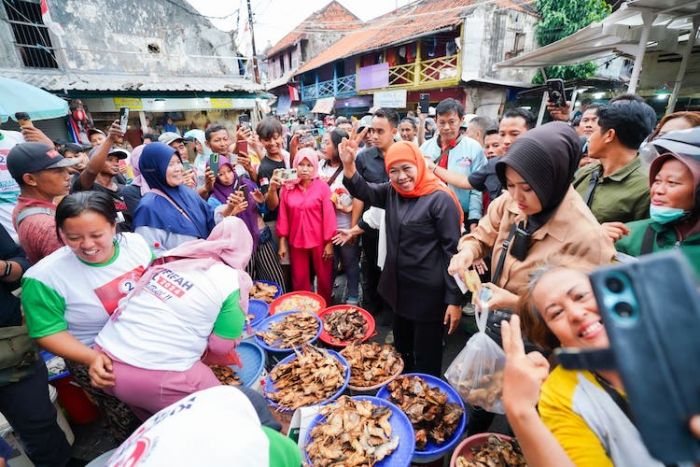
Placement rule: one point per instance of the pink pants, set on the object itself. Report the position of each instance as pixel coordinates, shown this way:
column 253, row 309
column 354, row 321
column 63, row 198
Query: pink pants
column 300, row 259
column 148, row 391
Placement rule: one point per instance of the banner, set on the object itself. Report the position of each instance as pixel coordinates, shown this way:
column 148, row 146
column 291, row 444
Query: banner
column 390, row 99
column 373, row 77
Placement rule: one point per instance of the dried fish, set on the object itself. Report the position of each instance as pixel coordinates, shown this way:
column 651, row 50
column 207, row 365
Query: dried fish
column 292, row 331
column 482, row 391
column 372, row 364
column 312, row 377
column 263, row 291
column 299, row 303
column 433, row 418
column 494, row 453
column 226, row 375
column 355, row 433
column 345, row 325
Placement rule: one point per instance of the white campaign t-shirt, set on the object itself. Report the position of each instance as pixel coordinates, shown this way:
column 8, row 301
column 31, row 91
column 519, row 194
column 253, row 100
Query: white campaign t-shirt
column 214, row 427
column 9, row 189
column 172, row 318
column 61, row 292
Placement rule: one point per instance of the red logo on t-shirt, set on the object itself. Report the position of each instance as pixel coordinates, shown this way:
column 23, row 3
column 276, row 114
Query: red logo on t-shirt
column 138, row 452
column 113, row 291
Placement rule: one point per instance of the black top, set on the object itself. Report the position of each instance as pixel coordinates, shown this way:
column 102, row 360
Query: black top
column 370, row 165
column 118, row 198
column 132, row 196
column 267, row 167
column 421, row 236
column 486, row 179
column 10, row 314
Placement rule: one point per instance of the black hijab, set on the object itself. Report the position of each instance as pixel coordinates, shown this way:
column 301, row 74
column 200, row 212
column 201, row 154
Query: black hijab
column 547, row 158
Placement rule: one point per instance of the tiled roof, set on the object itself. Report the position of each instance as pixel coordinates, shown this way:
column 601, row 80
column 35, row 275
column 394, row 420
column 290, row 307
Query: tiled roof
column 401, row 25
column 334, row 17
column 77, row 81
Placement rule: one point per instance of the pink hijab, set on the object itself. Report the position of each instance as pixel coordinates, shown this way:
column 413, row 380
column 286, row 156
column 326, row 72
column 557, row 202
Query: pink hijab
column 229, row 242
column 138, row 180
column 310, row 155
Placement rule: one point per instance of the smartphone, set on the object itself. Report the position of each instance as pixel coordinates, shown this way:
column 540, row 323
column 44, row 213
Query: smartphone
column 23, row 119
column 244, row 120
column 186, row 165
column 123, row 118
column 424, row 103
column 242, row 147
column 651, row 311
column 214, row 162
column 244, row 190
column 288, row 174
column 556, row 93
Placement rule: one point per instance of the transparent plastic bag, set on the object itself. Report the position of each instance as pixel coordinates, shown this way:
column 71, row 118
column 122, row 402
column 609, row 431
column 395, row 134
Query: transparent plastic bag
column 477, row 372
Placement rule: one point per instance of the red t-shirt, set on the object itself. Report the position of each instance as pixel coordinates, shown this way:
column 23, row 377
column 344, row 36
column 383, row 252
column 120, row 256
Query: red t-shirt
column 37, row 233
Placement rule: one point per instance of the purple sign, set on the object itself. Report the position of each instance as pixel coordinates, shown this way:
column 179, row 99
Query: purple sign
column 373, row 77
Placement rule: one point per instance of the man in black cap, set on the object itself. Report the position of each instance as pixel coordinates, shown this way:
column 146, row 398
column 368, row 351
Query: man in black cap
column 76, row 151
column 42, row 175
column 101, row 175
column 96, row 137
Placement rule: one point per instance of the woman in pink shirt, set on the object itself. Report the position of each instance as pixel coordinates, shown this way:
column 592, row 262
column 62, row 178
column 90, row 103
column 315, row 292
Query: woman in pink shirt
column 306, row 225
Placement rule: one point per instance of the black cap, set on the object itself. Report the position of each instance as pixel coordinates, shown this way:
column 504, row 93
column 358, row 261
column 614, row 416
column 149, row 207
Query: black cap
column 119, row 152
column 683, row 142
column 74, row 147
column 34, row 157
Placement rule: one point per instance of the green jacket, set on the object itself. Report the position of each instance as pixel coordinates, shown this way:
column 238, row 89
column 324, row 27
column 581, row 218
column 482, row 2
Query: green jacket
column 666, row 238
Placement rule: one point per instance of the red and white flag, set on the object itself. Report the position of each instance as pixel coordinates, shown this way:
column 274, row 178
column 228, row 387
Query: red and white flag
column 46, row 18
column 293, row 93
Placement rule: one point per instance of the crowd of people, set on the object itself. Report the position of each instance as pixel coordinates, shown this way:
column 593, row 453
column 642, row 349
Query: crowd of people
column 135, row 265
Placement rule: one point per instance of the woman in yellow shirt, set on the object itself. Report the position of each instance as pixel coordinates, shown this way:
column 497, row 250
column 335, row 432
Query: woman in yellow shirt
column 585, row 411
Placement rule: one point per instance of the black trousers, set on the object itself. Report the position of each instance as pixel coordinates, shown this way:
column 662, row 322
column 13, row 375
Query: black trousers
column 28, row 408
column 420, row 345
column 371, row 300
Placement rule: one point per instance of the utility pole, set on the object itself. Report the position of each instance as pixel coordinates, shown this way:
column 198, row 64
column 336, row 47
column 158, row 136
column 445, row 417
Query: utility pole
column 256, row 72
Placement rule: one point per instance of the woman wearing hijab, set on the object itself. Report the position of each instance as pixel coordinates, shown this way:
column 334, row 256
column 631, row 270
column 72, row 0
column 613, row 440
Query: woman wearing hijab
column 674, row 186
column 170, row 213
column 306, row 225
column 233, row 194
column 191, row 301
column 423, row 220
column 540, row 215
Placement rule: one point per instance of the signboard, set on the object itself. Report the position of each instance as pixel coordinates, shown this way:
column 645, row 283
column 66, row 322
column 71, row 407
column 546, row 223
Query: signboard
column 373, row 77
column 324, row 105
column 221, row 103
column 390, row 99
column 133, row 103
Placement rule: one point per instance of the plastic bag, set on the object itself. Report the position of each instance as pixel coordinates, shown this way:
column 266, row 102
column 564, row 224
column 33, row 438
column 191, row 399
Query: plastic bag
column 477, row 372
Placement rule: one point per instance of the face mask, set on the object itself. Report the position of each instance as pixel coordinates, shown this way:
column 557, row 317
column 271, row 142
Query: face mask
column 664, row 215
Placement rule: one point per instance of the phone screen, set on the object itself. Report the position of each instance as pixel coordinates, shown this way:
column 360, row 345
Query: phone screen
column 123, row 118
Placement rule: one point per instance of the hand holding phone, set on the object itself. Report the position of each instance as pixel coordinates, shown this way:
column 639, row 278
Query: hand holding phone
column 214, row 163
column 556, row 92
column 424, row 103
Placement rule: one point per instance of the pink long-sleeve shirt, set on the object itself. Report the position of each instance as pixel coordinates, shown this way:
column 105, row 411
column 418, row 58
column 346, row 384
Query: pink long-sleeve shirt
column 307, row 216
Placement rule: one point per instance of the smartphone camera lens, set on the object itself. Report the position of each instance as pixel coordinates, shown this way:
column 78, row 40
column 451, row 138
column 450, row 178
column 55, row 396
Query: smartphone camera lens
column 624, row 309
column 614, row 284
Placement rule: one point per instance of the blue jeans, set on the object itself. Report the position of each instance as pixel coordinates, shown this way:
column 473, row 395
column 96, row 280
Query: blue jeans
column 349, row 255
column 27, row 407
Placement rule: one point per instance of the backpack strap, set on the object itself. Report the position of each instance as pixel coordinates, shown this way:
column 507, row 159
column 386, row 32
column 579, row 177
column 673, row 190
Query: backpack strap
column 24, row 213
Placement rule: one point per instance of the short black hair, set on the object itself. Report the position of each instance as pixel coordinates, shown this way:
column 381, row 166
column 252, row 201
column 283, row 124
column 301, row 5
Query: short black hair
column 389, row 114
column 491, row 131
column 450, row 105
column 337, row 136
column 213, row 129
column 152, row 136
column 649, row 112
column 411, row 121
column 629, row 119
column 529, row 117
column 267, row 127
column 75, row 204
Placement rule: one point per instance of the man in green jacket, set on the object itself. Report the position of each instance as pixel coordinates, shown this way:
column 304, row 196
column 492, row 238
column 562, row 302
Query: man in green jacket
column 615, row 188
column 674, row 222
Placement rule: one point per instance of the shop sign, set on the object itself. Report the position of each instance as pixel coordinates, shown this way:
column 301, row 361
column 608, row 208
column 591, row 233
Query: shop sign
column 390, row 99
column 133, row 103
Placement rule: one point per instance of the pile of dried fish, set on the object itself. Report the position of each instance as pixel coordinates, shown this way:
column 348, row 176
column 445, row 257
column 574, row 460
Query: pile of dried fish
column 312, row 377
column 226, row 375
column 372, row 364
column 292, row 331
column 483, row 391
column 495, row 453
column 345, row 325
column 263, row 291
column 299, row 303
column 431, row 415
column 355, row 433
